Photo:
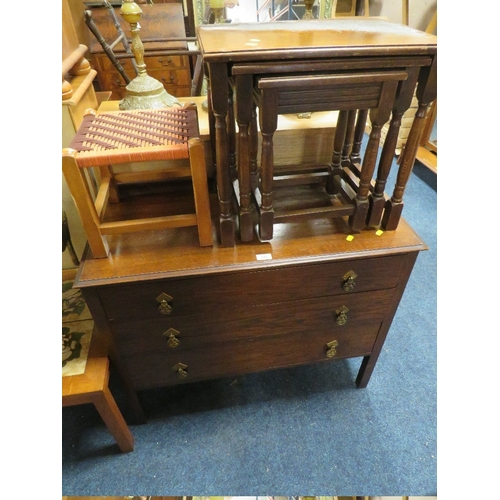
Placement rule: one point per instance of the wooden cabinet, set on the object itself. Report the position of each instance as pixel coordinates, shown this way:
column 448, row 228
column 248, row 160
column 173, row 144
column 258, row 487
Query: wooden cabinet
column 178, row 313
column 159, row 22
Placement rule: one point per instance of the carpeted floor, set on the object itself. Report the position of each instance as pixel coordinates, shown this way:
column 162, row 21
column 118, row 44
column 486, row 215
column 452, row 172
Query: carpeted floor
column 304, row 430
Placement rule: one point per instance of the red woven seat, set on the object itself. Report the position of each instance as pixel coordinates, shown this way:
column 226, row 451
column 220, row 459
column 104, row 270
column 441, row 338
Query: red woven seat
column 139, row 136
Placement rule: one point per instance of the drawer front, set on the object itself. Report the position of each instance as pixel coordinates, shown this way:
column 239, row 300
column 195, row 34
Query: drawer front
column 167, row 63
column 171, row 77
column 152, row 62
column 207, row 295
column 251, row 355
column 327, row 314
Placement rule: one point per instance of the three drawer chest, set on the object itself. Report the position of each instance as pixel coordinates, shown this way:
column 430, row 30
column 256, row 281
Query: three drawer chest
column 174, row 312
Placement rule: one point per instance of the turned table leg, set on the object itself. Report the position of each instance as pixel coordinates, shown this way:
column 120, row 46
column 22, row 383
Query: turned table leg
column 426, row 93
column 338, row 144
column 219, row 93
column 268, row 119
column 378, row 117
column 402, row 103
column 244, row 108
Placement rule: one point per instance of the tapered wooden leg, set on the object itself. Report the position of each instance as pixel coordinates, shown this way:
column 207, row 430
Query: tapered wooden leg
column 200, row 191
column 84, row 203
column 110, row 413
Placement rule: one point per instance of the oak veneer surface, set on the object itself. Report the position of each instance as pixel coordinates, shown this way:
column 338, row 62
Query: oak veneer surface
column 348, row 37
column 173, row 253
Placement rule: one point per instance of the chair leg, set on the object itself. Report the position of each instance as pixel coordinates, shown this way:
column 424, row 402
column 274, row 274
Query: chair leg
column 85, row 205
column 200, row 190
column 110, row 413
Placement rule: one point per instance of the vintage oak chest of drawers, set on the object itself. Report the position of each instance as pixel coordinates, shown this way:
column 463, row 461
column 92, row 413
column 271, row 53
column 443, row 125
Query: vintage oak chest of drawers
column 175, row 312
column 159, row 22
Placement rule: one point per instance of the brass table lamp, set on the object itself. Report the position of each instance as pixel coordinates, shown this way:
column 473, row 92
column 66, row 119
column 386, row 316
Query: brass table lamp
column 143, row 92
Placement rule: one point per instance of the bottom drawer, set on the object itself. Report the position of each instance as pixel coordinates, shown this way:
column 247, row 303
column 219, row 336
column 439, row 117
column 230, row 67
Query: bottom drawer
column 248, row 355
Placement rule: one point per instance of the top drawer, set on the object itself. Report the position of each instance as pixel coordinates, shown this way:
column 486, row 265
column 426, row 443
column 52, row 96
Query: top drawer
column 209, row 294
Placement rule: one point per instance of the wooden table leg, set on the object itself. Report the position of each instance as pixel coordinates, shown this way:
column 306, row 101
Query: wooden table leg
column 268, row 119
column 404, row 97
column 219, row 85
column 426, row 93
column 338, row 144
column 349, row 138
column 359, row 133
column 378, row 117
column 244, row 109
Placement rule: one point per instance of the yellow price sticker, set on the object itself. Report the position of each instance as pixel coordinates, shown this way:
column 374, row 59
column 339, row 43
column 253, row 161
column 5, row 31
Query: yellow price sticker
column 350, row 237
column 379, row 232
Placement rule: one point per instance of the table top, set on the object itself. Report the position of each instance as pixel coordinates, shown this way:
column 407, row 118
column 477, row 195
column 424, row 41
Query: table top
column 342, row 37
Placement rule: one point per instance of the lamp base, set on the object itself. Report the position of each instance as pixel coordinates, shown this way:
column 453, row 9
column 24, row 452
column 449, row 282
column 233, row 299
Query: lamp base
column 145, row 92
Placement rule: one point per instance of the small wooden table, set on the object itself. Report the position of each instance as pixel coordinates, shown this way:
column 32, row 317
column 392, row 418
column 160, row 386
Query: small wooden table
column 238, row 55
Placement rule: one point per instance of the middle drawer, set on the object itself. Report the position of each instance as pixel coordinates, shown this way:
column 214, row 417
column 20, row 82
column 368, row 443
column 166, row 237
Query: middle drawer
column 328, row 314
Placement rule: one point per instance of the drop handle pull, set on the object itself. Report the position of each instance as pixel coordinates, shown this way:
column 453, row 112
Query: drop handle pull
column 341, row 318
column 181, row 370
column 172, row 336
column 164, row 303
column 349, row 281
column 331, row 348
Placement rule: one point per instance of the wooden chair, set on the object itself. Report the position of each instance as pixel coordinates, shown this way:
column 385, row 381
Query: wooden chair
column 92, row 387
column 139, row 137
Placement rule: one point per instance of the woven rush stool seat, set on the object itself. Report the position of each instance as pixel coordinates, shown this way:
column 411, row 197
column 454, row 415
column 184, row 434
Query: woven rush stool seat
column 139, row 137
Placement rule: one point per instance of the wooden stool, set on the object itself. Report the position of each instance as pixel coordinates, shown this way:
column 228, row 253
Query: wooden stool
column 134, row 137
column 92, row 387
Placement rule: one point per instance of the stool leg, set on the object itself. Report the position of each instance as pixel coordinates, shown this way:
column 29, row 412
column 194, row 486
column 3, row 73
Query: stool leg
column 110, row 413
column 200, row 191
column 79, row 190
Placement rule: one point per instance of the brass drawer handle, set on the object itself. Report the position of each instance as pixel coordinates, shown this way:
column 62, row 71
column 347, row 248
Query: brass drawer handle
column 167, row 63
column 180, row 369
column 349, row 281
column 172, row 338
column 341, row 315
column 164, row 300
column 331, row 348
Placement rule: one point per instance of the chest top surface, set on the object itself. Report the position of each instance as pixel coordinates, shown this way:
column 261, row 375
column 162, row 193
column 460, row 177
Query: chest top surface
column 347, row 37
column 175, row 252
